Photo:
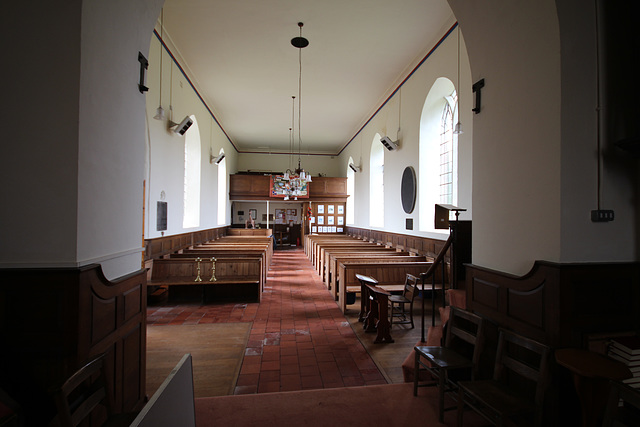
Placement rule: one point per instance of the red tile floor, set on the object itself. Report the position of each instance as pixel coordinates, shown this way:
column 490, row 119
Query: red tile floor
column 299, row 338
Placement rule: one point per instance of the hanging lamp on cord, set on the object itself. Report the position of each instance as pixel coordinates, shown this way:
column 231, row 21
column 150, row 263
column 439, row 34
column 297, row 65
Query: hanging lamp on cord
column 300, row 43
column 458, row 128
column 160, row 115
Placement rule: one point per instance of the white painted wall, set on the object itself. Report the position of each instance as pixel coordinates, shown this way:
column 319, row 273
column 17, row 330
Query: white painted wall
column 165, row 149
column 583, row 240
column 441, row 63
column 325, row 165
column 73, row 154
column 39, row 149
column 515, row 47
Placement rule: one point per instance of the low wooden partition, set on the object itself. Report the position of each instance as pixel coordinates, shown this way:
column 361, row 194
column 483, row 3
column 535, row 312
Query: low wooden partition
column 333, row 256
column 53, row 320
column 238, row 278
column 161, row 246
column 390, row 276
column 249, row 232
column 367, row 258
column 561, row 305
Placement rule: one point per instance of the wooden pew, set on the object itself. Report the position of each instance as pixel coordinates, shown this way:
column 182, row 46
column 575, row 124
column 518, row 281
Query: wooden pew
column 390, row 275
column 227, row 246
column 322, row 248
column 324, row 261
column 221, row 253
column 315, row 241
column 234, row 277
column 366, row 258
column 249, row 232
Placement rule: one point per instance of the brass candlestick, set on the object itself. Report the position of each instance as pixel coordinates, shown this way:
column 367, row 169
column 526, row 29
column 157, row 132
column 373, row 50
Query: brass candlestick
column 213, row 270
column 198, row 278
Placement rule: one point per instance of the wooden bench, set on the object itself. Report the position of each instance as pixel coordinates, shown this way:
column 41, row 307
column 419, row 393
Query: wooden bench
column 390, row 276
column 325, row 252
column 373, row 251
column 367, row 258
column 265, row 243
column 323, row 248
column 235, row 278
column 313, row 242
column 220, row 254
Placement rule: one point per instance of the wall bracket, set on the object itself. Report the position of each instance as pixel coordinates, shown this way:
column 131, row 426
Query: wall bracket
column 477, row 86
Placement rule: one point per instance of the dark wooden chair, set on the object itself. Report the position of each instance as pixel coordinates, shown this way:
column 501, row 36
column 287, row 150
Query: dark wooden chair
column 461, row 353
column 515, row 395
column 85, row 396
column 623, row 406
column 408, row 296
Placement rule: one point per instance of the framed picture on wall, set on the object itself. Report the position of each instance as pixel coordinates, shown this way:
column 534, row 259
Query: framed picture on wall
column 320, row 209
column 340, row 220
column 314, row 229
column 320, row 220
column 340, row 209
column 330, row 220
column 330, row 209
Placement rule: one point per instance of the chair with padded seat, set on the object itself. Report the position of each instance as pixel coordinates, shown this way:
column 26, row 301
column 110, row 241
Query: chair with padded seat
column 85, row 396
column 515, row 395
column 407, row 297
column 463, row 344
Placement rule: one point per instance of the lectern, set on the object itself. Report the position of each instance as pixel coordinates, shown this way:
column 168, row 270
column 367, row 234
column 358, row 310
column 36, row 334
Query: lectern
column 442, row 222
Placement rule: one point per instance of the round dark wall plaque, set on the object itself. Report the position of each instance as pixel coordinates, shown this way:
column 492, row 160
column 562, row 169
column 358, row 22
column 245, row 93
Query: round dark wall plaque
column 408, row 189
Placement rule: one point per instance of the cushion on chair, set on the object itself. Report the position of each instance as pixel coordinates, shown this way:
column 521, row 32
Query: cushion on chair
column 457, row 298
column 434, row 336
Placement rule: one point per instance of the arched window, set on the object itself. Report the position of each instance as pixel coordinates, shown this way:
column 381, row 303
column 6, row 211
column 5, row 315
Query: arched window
column 351, row 186
column 376, row 183
column 446, row 149
column 438, row 178
column 222, row 189
column 192, row 158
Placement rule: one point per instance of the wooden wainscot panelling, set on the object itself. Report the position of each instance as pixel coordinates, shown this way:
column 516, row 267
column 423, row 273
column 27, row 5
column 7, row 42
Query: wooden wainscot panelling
column 328, row 189
column 559, row 304
column 53, row 320
column 249, row 187
column 161, row 246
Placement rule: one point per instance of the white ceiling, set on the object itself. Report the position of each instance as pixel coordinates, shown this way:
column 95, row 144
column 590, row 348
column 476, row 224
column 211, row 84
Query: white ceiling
column 239, row 56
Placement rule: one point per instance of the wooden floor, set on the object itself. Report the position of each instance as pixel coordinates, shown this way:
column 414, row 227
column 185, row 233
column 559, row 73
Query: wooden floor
column 299, row 338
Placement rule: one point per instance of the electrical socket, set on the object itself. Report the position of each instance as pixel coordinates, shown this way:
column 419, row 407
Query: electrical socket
column 602, row 215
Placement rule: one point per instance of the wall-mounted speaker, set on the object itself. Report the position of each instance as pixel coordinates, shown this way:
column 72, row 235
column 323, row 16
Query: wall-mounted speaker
column 389, row 144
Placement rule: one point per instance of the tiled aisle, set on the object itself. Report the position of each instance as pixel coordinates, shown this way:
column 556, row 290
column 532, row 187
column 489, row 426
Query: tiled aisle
column 299, row 339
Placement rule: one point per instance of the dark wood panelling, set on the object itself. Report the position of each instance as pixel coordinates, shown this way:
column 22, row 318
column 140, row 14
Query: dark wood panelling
column 559, row 304
column 258, row 187
column 161, row 246
column 52, row 321
column 420, row 245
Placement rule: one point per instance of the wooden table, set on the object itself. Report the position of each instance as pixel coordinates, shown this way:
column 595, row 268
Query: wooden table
column 591, row 375
column 377, row 313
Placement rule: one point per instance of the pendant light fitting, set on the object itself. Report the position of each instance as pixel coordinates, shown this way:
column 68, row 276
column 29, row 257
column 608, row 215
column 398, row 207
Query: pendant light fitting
column 457, row 130
column 160, row 115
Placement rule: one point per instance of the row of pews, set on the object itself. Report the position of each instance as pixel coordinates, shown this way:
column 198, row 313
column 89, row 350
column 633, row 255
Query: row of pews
column 338, row 259
column 229, row 268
